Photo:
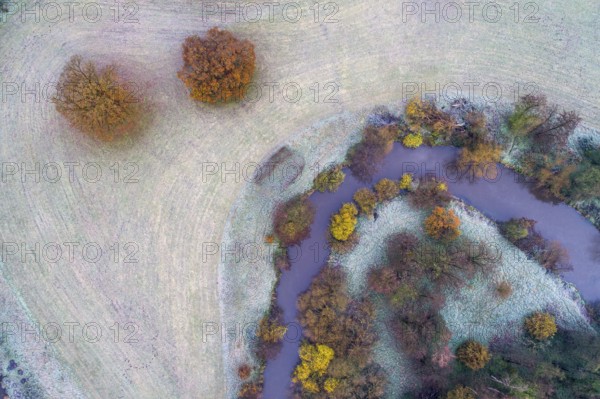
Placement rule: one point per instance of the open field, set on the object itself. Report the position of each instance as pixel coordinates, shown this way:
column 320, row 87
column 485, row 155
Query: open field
column 176, row 206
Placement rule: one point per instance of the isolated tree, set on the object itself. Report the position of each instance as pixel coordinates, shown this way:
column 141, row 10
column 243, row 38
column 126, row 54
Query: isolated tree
column 473, row 354
column 442, row 224
column 218, row 67
column 96, row 102
column 541, row 326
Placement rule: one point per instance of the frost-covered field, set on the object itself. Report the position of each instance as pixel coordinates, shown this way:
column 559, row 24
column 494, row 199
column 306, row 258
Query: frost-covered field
column 174, row 207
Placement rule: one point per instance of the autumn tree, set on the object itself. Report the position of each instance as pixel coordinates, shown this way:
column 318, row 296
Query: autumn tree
column 429, row 194
column 442, row 224
column 480, row 161
column 386, row 190
column 541, row 326
column 329, row 180
column 218, row 67
column 344, row 222
column 293, row 220
column 461, row 392
column 377, row 141
column 366, row 200
column 96, row 101
column 473, row 354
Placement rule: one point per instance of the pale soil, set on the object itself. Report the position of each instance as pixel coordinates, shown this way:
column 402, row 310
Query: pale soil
column 171, row 211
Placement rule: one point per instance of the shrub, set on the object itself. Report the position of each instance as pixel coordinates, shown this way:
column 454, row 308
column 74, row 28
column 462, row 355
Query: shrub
column 244, row 371
column 329, row 180
column 586, row 182
column 516, row 229
column 386, row 190
column 473, row 355
column 331, row 384
column 96, row 102
column 442, row 224
column 480, row 160
column 293, row 220
column 541, row 326
column 366, row 200
column 504, row 289
column 344, row 222
column 218, row 67
column 412, row 140
column 461, row 392
column 343, row 247
column 271, row 331
column 429, row 194
column 405, row 181
column 250, row 391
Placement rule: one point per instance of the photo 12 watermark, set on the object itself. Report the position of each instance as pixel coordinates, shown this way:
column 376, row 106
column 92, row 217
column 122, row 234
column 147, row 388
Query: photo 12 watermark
column 469, row 11
column 70, row 12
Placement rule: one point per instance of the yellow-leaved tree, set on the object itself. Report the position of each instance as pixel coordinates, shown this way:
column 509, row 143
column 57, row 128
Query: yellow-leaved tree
column 344, row 222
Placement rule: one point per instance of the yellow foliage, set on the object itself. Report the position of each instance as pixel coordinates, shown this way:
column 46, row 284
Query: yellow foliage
column 482, row 160
column 416, row 111
column 344, row 222
column 412, row 140
column 405, row 181
column 541, row 326
column 314, row 362
column 271, row 331
column 442, row 186
column 331, row 384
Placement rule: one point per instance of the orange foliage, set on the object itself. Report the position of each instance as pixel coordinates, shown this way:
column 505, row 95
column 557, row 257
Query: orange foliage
column 442, row 224
column 218, row 67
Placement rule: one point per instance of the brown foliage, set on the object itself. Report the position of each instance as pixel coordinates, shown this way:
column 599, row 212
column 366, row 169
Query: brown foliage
column 293, row 220
column 541, row 326
column 96, row 102
column 384, row 280
column 479, row 161
column 504, row 289
column 386, row 190
column 366, row 200
column 428, row 195
column 366, row 155
column 218, row 67
column 244, row 371
column 250, row 391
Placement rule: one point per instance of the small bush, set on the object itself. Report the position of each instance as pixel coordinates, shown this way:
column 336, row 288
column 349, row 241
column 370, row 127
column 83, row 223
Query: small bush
column 96, row 102
column 218, row 67
column 250, row 391
column 442, row 224
column 386, row 190
column 244, row 371
column 473, row 355
column 504, row 290
column 366, row 200
column 461, row 392
column 293, row 220
column 541, row 326
column 412, row 140
column 344, row 222
column 429, row 194
column 516, row 229
column 329, row 180
column 405, row 182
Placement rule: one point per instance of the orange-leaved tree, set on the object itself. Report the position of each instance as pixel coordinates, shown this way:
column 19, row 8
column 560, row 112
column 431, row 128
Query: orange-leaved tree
column 218, row 67
column 442, row 224
column 97, row 102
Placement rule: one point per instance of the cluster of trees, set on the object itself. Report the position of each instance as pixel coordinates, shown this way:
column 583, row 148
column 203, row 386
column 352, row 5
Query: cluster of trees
column 413, row 283
column 336, row 357
column 293, row 220
column 424, row 114
column 97, row 101
column 550, row 254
